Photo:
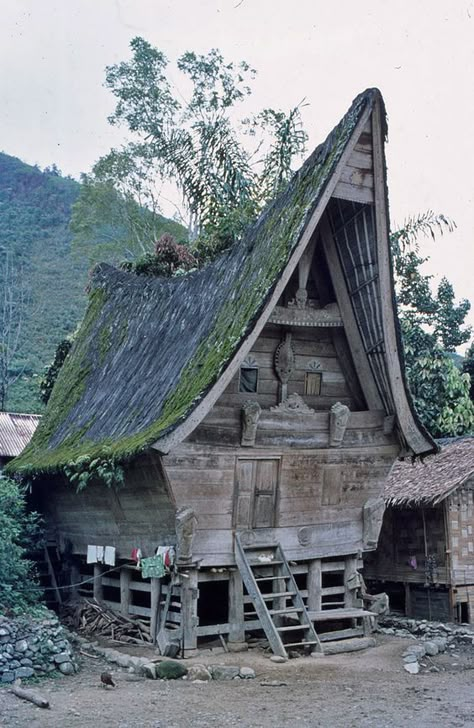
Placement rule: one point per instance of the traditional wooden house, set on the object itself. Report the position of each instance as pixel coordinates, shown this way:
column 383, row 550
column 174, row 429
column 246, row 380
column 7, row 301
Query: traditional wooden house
column 16, row 430
column 425, row 557
column 255, row 407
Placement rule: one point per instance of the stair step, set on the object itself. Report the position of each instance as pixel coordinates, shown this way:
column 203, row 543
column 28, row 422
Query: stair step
column 275, row 595
column 260, row 547
column 301, row 644
column 327, row 614
column 265, row 563
column 277, row 612
column 270, row 578
column 282, row 612
column 293, row 628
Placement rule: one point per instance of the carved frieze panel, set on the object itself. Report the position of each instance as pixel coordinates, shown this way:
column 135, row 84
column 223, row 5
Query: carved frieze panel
column 293, row 405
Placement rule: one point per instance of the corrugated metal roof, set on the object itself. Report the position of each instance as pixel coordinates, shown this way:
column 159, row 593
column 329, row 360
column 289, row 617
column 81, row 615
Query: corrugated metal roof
column 16, row 430
column 431, row 481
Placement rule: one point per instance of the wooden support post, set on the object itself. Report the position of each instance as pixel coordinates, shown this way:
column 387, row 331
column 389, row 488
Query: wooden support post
column 189, row 618
column 408, row 607
column 350, row 569
column 236, row 609
column 75, row 575
column 314, row 584
column 97, row 584
column 155, row 599
column 125, row 578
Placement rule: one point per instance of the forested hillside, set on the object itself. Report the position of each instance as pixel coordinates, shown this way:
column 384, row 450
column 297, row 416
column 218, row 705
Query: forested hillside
column 35, row 210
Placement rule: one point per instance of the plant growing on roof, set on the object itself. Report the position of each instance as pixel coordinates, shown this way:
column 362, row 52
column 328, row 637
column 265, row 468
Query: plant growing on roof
column 192, row 141
column 168, row 259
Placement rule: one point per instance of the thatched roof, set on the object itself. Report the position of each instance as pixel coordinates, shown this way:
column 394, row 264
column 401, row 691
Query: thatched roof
column 150, row 350
column 16, row 430
column 431, row 481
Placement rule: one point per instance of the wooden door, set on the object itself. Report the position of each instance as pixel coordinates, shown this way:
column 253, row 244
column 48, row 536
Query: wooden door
column 256, row 493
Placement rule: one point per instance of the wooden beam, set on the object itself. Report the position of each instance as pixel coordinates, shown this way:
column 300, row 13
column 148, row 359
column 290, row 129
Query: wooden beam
column 125, row 577
column 155, row 599
column 410, row 429
column 189, row 615
column 314, row 582
column 98, row 587
column 236, row 608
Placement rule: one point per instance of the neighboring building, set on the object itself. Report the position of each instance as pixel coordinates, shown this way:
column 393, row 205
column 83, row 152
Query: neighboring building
column 258, row 401
column 16, row 430
column 425, row 557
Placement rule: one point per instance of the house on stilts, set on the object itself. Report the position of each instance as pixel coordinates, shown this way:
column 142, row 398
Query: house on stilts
column 425, row 557
column 254, row 408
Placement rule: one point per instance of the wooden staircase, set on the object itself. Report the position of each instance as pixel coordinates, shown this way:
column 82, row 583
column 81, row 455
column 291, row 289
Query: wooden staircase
column 275, row 595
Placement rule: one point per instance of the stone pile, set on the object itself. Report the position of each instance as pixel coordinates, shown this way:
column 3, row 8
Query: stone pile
column 432, row 638
column 421, row 628
column 30, row 648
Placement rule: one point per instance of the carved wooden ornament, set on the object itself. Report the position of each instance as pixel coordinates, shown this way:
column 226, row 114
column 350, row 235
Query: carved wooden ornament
column 338, row 419
column 250, row 414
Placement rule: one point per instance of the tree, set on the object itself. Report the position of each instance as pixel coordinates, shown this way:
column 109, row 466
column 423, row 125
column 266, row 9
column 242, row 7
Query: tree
column 432, row 325
column 468, row 368
column 193, row 144
column 19, row 531
column 15, row 296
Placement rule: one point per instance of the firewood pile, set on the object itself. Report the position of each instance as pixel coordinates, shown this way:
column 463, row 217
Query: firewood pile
column 91, row 617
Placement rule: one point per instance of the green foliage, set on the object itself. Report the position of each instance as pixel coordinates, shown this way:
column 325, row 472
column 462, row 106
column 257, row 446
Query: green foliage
column 168, row 259
column 194, row 144
column 439, row 390
column 432, row 327
column 35, row 211
column 51, row 373
column 85, row 469
column 468, row 368
column 19, row 532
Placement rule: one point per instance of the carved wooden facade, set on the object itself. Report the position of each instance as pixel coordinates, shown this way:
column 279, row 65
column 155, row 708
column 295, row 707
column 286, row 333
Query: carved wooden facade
column 265, row 394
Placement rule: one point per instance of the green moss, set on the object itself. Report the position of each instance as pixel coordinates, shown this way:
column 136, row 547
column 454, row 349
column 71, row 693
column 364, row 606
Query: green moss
column 268, row 250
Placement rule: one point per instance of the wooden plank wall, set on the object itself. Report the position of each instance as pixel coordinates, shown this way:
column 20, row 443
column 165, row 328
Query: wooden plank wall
column 460, row 508
column 323, row 490
column 140, row 513
column 402, row 540
column 357, row 180
column 308, row 344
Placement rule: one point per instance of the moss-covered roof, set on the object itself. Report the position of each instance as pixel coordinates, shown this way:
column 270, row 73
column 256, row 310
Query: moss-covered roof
column 149, row 349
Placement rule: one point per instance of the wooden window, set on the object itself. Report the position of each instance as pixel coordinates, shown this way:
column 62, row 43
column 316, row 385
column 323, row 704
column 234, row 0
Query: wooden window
column 248, row 379
column 312, row 383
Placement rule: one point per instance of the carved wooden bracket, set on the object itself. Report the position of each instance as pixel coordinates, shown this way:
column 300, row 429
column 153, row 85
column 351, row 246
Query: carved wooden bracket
column 338, row 419
column 372, row 522
column 250, row 415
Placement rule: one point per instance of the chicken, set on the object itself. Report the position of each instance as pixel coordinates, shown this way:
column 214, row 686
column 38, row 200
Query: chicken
column 106, row 680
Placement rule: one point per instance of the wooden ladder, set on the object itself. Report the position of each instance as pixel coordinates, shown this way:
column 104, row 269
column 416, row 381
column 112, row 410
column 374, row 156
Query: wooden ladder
column 289, row 615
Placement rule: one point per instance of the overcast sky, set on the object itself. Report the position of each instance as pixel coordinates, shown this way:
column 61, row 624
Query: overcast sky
column 420, row 53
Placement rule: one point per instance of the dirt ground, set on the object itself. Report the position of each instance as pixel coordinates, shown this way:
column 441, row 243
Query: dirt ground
column 367, row 689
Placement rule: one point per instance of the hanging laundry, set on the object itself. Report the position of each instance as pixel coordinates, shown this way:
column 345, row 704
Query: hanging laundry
column 168, row 555
column 153, row 567
column 109, row 555
column 136, row 555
